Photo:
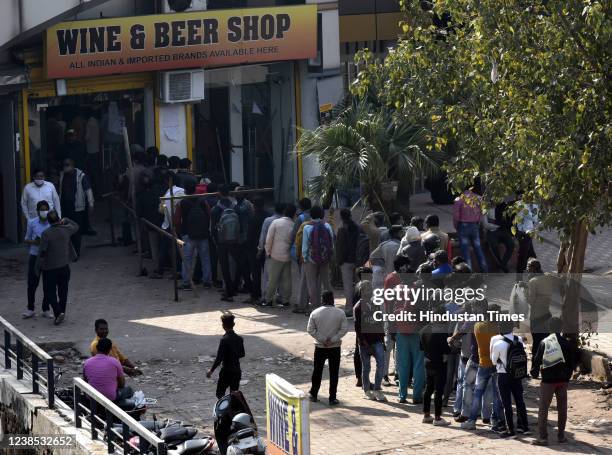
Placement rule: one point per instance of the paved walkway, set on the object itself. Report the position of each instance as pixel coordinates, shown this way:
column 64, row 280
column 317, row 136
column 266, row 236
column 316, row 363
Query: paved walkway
column 175, row 342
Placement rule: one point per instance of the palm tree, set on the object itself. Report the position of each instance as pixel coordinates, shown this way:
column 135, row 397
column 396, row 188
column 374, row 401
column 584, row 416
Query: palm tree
column 365, row 146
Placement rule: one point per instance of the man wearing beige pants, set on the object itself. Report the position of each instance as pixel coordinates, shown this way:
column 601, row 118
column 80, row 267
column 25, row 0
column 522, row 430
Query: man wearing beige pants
column 278, row 246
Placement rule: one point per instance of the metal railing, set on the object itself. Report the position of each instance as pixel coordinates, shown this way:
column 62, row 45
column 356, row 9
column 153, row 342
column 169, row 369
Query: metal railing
column 101, row 414
column 42, row 382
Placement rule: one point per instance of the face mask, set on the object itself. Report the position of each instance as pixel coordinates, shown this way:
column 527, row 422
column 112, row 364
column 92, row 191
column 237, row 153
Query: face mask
column 39, row 182
column 43, row 214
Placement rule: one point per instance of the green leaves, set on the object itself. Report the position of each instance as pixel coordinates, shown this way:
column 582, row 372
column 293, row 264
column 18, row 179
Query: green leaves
column 521, row 92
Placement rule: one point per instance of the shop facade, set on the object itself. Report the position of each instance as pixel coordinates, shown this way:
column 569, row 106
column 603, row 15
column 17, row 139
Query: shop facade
column 225, row 88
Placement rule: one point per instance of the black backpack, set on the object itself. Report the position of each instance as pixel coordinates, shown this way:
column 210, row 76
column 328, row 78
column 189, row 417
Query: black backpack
column 197, row 224
column 516, row 360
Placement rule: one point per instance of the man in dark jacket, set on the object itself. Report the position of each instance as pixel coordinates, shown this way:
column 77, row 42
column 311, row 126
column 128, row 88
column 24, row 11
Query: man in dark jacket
column 254, row 260
column 346, row 250
column 556, row 360
column 54, row 256
column 192, row 222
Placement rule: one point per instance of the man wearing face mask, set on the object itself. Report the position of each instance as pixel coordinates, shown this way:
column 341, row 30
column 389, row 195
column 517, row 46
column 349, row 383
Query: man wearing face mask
column 76, row 197
column 54, row 256
column 39, row 190
column 36, row 227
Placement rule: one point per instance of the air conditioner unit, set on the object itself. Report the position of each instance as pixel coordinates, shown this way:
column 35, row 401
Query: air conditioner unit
column 180, row 6
column 182, row 86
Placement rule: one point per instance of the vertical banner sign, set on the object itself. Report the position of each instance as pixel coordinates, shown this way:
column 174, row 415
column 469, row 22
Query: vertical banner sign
column 180, row 40
column 287, row 418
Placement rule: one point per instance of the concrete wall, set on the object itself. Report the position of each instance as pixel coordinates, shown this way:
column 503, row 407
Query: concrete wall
column 22, row 412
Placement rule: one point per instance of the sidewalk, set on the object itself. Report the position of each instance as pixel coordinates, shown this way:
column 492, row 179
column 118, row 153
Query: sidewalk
column 175, row 343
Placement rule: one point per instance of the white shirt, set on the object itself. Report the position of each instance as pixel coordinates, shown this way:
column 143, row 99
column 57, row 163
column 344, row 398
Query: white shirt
column 499, row 350
column 33, row 193
column 176, row 191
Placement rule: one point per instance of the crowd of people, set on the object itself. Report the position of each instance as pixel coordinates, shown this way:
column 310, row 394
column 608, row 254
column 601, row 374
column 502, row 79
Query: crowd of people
column 230, row 241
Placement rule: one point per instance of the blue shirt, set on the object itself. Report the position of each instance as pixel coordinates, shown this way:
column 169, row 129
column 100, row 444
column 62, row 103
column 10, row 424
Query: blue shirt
column 444, row 269
column 306, row 239
column 34, row 231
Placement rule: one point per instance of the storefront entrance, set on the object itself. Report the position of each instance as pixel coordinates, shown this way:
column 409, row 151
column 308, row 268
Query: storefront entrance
column 89, row 129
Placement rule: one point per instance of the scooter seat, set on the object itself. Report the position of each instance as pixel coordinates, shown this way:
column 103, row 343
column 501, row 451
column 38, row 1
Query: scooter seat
column 127, row 405
column 192, row 446
column 177, row 434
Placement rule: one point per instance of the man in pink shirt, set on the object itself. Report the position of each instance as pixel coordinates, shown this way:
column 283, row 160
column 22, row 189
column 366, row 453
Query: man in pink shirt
column 467, row 211
column 104, row 373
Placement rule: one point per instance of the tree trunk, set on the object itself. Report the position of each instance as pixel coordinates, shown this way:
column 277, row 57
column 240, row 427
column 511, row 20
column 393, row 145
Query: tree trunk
column 571, row 262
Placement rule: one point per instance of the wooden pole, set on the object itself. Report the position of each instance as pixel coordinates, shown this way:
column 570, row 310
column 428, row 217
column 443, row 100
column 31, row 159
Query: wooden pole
column 173, row 232
column 126, row 145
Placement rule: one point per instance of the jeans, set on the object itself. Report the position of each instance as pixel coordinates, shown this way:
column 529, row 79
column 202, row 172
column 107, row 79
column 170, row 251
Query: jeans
column 225, row 251
column 316, row 275
column 332, row 355
column 279, row 278
column 33, row 280
column 451, row 374
column 436, row 378
column 494, row 239
column 486, row 390
column 508, row 388
column 348, row 274
column 546, row 393
column 201, row 247
column 410, row 364
column 55, row 286
column 469, row 235
column 378, row 351
column 457, row 406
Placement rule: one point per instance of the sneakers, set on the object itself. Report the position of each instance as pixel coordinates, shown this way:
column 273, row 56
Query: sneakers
column 441, row 422
column 59, row 319
column 370, row 395
column 499, row 428
column 265, row 303
column 27, row 314
column 333, row 402
column 508, row 435
column 524, row 431
column 47, row 315
column 468, row 425
column 428, row 419
column 386, row 381
column 403, row 400
column 380, row 396
column 312, row 398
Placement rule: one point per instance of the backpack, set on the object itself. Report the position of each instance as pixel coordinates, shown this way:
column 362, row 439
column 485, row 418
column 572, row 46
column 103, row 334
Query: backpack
column 296, row 248
column 228, row 228
column 516, row 359
column 197, row 223
column 320, row 243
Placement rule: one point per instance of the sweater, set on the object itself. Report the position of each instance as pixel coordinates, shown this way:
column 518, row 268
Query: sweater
column 55, row 250
column 327, row 323
column 279, row 239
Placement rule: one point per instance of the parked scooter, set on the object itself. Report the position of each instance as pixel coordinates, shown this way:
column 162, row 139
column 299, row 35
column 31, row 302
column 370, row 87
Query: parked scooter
column 235, row 428
column 179, row 438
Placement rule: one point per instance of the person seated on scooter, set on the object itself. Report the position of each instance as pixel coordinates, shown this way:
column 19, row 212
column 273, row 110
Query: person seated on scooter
column 231, row 350
column 105, row 374
column 101, row 327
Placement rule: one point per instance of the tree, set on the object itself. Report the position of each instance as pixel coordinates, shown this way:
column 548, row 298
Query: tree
column 364, row 145
column 523, row 89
